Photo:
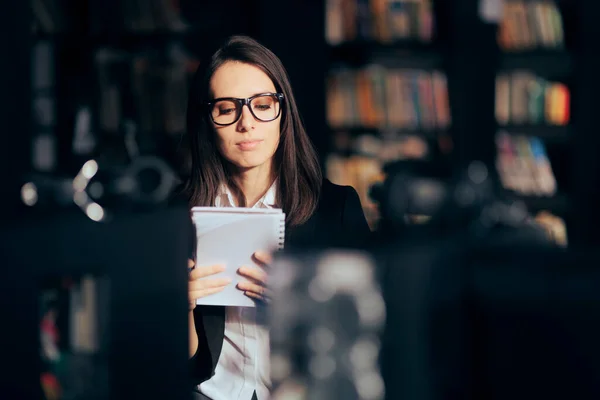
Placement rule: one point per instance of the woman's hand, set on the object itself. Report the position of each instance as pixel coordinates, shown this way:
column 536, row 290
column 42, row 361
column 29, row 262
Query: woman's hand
column 199, row 288
column 256, row 286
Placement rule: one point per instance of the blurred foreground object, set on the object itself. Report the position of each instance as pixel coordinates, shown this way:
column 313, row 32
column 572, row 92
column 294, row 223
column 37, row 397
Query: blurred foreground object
column 325, row 318
column 481, row 304
column 468, row 203
column 145, row 182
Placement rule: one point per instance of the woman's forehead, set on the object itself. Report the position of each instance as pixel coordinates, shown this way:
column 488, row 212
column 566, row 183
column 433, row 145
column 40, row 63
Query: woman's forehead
column 236, row 79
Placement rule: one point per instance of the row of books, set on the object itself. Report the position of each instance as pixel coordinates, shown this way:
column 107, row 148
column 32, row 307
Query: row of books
column 46, row 140
column 523, row 98
column 152, row 15
column 384, row 149
column 378, row 20
column 74, row 337
column 146, row 89
column 378, row 97
column 554, row 226
column 43, row 96
column 360, row 172
column 528, row 25
column 140, row 95
column 51, row 16
column 48, row 15
column 523, row 165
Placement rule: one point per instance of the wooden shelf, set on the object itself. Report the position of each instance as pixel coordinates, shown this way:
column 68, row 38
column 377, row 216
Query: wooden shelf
column 401, row 54
column 552, row 133
column 551, row 64
column 121, row 39
column 439, row 168
column 357, row 130
column 557, row 204
column 365, row 44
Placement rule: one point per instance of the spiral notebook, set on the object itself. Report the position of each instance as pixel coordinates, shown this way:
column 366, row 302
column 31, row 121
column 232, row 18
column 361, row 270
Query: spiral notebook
column 230, row 236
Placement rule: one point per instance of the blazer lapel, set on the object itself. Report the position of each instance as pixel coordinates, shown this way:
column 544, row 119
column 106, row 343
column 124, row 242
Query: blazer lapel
column 213, row 318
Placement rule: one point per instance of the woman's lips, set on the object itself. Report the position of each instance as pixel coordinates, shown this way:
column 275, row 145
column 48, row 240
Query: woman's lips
column 248, row 144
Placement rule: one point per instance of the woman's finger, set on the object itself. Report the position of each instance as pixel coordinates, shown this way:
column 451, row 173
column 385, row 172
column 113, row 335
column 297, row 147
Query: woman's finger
column 254, row 274
column 249, row 287
column 191, row 263
column 200, row 284
column 198, row 294
column 262, row 258
column 201, row 272
column 264, row 297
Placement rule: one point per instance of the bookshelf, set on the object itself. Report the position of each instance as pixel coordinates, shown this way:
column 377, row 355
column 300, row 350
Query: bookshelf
column 550, row 49
column 462, row 45
column 124, row 67
column 60, row 89
column 534, row 106
column 557, row 205
column 549, row 133
column 546, row 63
column 401, row 53
column 381, row 56
column 582, row 16
column 16, row 111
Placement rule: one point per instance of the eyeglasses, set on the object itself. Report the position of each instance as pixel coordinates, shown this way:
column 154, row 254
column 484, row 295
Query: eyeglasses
column 264, row 107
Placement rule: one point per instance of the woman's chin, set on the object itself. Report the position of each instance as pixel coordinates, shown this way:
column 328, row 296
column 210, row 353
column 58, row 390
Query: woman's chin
column 246, row 164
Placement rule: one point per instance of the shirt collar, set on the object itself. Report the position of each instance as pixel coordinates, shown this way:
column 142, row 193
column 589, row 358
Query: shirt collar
column 225, row 197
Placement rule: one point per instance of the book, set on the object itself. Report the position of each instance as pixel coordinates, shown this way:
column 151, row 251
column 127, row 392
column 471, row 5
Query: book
column 230, row 236
column 529, row 24
column 383, row 21
column 524, row 166
column 523, row 98
column 375, row 96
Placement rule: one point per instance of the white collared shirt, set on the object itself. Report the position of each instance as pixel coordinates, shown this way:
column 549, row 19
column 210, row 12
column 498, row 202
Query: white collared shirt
column 243, row 365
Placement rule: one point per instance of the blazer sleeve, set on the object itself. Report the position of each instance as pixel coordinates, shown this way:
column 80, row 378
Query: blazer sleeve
column 180, row 198
column 353, row 219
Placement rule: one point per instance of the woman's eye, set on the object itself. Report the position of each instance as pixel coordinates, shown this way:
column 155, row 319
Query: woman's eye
column 262, row 107
column 226, row 111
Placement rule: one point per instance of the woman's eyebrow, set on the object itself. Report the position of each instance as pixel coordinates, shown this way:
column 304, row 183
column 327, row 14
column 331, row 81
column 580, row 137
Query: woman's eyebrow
column 255, row 94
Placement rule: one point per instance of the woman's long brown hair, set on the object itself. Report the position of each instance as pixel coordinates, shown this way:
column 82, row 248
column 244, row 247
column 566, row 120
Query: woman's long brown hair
column 297, row 165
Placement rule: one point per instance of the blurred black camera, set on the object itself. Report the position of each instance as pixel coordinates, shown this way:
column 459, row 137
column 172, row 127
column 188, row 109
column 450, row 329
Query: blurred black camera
column 419, row 196
column 101, row 186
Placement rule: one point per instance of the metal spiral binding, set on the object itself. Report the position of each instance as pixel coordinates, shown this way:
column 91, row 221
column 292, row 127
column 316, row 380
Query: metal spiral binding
column 281, row 241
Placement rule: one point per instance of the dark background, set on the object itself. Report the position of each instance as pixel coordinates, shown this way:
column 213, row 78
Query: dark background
column 293, row 29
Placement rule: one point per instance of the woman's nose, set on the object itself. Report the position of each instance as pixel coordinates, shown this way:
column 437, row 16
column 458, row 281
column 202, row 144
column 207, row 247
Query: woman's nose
column 247, row 119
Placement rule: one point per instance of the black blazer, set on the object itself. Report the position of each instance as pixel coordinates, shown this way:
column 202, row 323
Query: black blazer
column 338, row 221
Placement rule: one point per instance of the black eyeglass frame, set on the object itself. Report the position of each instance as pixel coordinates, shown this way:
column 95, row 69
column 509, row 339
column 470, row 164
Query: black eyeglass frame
column 242, row 103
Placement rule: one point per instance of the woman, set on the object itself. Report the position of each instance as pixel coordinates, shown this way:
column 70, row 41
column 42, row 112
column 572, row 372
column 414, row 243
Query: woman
column 249, row 148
